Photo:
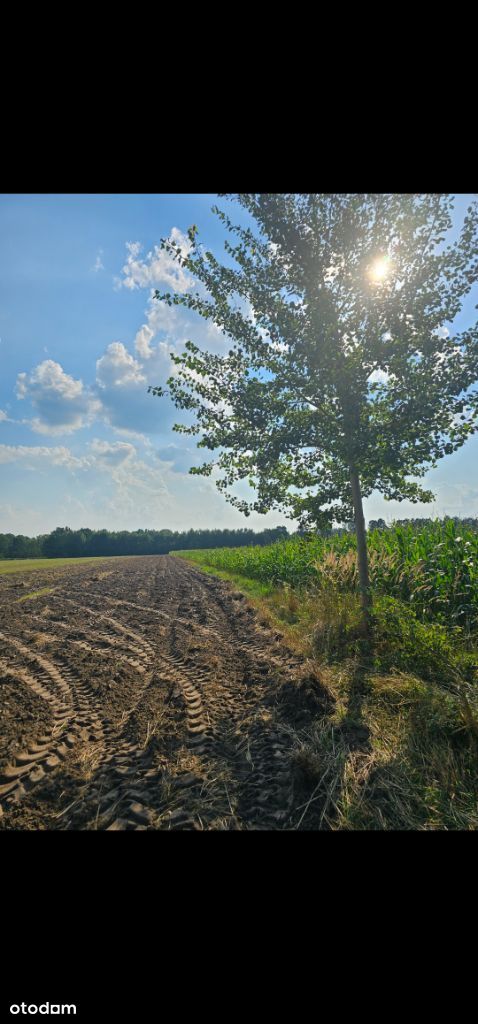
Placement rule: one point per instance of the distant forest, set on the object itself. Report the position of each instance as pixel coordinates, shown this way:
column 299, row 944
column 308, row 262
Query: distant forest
column 66, row 543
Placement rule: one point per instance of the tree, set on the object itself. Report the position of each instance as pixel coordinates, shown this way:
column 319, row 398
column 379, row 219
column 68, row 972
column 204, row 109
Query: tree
column 377, row 524
column 341, row 378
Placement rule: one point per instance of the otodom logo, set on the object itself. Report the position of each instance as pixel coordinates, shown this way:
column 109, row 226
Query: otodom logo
column 43, row 1008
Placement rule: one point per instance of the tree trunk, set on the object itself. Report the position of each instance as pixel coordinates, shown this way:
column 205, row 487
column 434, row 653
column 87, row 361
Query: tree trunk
column 362, row 555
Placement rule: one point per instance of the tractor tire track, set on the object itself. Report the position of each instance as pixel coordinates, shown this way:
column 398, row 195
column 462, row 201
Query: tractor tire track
column 166, row 701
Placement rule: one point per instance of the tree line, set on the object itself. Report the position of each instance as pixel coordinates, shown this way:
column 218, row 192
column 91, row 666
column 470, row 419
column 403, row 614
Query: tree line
column 66, row 543
column 470, row 522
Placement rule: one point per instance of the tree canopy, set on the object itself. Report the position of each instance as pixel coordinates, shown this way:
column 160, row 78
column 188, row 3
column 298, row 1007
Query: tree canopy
column 336, row 306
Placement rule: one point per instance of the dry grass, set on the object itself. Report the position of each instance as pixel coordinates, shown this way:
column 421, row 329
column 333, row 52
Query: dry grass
column 398, row 759
column 398, row 752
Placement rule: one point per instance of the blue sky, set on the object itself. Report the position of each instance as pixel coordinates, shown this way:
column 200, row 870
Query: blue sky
column 81, row 442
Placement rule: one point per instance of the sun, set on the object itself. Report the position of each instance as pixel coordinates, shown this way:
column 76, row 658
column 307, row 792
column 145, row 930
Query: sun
column 380, row 270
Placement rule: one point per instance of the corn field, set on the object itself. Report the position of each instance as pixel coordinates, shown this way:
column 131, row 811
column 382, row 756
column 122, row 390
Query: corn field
column 435, row 567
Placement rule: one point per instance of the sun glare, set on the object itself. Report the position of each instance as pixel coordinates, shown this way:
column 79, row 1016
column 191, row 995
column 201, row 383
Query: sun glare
column 380, row 270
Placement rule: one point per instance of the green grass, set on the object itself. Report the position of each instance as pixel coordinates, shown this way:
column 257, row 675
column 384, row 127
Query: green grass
column 33, row 594
column 399, row 751
column 10, row 565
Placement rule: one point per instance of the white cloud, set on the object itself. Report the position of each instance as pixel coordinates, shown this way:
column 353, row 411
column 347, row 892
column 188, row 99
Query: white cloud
column 62, row 403
column 166, row 328
column 3, row 415
column 49, row 376
column 160, row 318
column 175, row 326
column 117, row 368
column 122, row 389
column 99, row 454
column 116, row 488
column 378, row 377
column 133, row 435
column 98, row 264
column 35, row 456
column 157, row 267
column 139, row 490
column 142, row 342
column 110, row 453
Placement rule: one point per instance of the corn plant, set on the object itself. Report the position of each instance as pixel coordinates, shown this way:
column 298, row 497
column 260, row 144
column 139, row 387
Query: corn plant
column 434, row 567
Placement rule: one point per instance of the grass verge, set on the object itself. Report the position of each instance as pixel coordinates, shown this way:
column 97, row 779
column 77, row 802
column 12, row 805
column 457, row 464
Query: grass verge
column 399, row 749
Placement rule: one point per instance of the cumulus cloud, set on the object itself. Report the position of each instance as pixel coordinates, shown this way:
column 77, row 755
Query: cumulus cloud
column 166, row 329
column 172, row 327
column 122, row 389
column 160, row 319
column 117, row 368
column 3, row 415
column 168, row 325
column 121, row 377
column 157, row 267
column 62, row 403
column 142, row 341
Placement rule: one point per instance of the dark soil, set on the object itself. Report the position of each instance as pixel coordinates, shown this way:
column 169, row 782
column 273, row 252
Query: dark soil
column 146, row 695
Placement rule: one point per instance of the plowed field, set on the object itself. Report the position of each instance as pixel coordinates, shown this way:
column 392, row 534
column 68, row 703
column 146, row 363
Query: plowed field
column 143, row 694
